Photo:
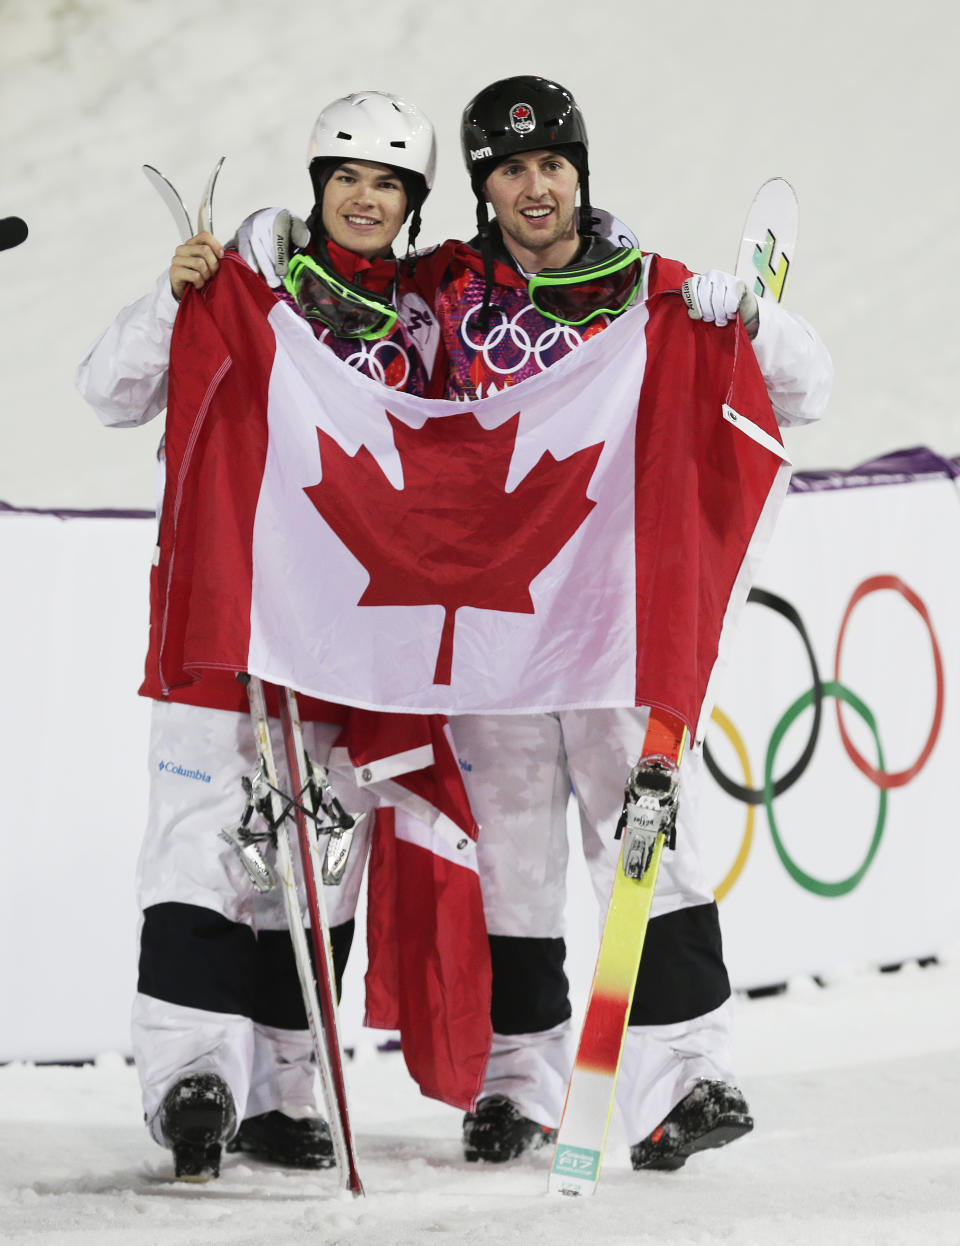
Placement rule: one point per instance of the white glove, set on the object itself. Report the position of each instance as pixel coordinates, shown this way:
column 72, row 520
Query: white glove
column 267, row 239
column 717, row 297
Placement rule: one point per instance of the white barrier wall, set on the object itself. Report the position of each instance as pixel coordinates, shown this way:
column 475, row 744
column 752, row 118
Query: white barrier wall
column 879, row 566
column 73, row 735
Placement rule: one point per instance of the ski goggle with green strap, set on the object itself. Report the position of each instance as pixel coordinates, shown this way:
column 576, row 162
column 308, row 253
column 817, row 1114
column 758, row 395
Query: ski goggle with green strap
column 347, row 310
column 580, row 292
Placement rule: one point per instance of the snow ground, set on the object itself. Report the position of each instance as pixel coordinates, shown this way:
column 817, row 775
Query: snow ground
column 855, row 1088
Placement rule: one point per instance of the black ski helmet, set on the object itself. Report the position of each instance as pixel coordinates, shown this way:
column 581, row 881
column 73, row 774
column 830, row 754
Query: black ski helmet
column 524, row 113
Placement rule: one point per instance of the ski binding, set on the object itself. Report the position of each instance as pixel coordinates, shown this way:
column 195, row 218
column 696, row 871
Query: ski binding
column 323, row 809
column 649, row 810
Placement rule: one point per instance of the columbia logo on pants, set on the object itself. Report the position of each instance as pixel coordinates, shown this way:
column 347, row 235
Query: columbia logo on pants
column 172, row 767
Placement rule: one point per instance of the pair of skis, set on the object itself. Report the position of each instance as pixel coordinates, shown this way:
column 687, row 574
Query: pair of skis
column 648, row 820
column 171, row 197
column 312, row 807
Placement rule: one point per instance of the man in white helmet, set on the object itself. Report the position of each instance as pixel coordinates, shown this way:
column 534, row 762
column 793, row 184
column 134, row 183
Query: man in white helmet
column 219, row 1030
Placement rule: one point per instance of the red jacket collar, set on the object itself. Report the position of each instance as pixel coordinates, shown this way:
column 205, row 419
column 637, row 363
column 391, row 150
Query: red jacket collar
column 377, row 275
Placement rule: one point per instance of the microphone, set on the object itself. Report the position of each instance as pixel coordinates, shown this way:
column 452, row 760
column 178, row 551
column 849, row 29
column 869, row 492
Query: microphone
column 13, row 231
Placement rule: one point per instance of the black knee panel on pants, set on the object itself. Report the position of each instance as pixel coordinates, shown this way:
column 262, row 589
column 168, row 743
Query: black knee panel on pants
column 279, row 1000
column 682, row 974
column 530, row 988
column 196, row 957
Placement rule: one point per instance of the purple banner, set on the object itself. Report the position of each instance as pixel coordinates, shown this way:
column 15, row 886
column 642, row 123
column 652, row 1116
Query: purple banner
column 64, row 513
column 897, row 468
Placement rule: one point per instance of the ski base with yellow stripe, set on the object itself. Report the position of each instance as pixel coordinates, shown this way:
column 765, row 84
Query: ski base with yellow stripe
column 763, row 263
column 647, row 824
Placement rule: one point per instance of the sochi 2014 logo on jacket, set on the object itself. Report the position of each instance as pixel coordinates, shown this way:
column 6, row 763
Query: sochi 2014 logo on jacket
column 522, row 119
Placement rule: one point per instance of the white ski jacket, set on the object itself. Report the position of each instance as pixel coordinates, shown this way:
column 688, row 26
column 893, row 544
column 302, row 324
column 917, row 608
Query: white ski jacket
column 123, row 375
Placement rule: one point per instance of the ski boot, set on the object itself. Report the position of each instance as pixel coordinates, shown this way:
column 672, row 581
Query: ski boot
column 497, row 1132
column 196, row 1116
column 294, row 1142
column 711, row 1115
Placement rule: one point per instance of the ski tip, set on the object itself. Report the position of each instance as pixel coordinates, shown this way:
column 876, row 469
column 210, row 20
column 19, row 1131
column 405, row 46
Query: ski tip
column 780, row 182
column 205, row 211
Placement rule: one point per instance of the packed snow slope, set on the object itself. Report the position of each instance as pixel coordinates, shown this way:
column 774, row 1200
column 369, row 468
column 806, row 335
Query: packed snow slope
column 855, row 1087
column 690, row 107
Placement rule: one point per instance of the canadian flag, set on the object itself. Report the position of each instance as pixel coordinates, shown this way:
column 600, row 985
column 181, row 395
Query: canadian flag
column 582, row 539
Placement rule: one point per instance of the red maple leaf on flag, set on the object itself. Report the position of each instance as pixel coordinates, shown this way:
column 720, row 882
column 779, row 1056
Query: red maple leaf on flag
column 452, row 535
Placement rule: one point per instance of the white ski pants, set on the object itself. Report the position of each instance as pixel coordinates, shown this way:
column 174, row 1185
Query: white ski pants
column 519, row 771
column 197, row 758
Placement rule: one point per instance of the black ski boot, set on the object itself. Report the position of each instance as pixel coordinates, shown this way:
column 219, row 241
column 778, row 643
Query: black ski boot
column 196, row 1116
column 711, row 1115
column 497, row 1132
column 302, row 1142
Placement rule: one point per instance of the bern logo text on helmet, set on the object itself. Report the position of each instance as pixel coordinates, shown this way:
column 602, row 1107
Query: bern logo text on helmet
column 522, row 119
column 481, row 153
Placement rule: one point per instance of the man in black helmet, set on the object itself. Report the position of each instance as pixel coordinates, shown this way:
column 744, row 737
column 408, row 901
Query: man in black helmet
column 528, row 164
column 536, row 282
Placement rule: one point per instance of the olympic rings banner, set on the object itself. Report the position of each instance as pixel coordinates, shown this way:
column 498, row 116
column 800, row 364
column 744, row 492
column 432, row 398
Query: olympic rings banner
column 828, row 817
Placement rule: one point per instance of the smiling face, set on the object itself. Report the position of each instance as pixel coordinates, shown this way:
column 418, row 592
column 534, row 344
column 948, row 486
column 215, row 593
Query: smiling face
column 534, row 197
column 363, row 207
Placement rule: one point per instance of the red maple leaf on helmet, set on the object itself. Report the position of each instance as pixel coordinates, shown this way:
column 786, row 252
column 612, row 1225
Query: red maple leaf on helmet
column 452, row 536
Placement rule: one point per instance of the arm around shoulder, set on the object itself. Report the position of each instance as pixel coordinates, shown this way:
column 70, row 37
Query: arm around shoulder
column 124, row 373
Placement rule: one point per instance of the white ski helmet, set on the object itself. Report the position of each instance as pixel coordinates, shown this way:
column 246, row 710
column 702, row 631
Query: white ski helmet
column 377, row 126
